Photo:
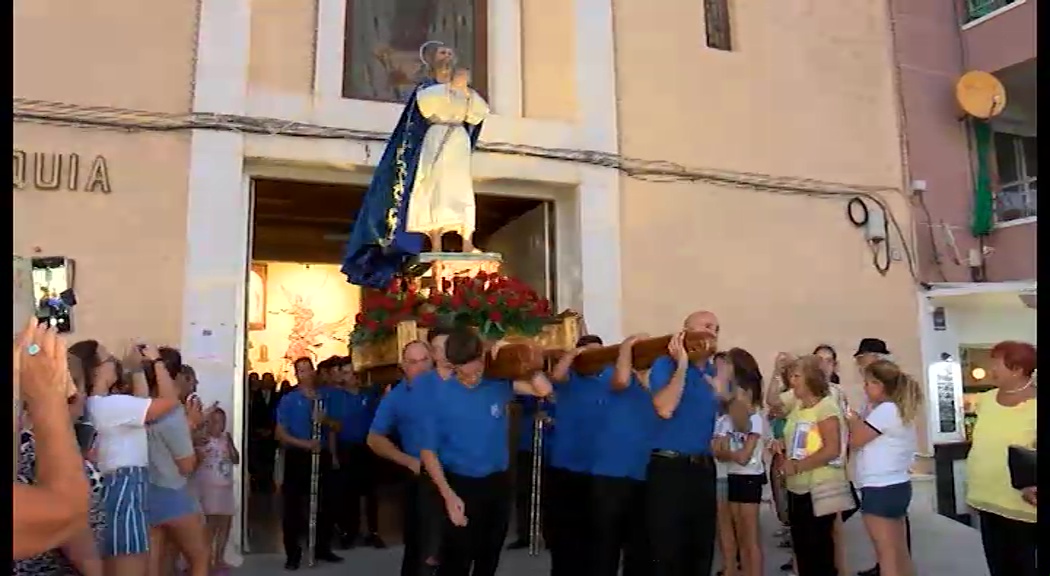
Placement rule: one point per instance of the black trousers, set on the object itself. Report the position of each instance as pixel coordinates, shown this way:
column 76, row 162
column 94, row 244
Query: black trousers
column 1009, row 545
column 295, row 494
column 566, row 515
column 357, row 472
column 812, row 538
column 680, row 514
column 474, row 549
column 262, row 452
column 618, row 527
column 423, row 521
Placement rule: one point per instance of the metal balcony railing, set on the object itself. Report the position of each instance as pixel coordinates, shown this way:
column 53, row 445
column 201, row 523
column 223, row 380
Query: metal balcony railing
column 978, row 8
column 1015, row 201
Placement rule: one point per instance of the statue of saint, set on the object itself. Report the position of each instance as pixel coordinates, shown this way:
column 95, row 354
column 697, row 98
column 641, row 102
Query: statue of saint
column 422, row 184
column 443, row 195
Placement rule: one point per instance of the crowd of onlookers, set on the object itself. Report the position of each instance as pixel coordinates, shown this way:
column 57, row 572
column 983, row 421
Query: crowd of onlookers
column 865, row 455
column 121, row 471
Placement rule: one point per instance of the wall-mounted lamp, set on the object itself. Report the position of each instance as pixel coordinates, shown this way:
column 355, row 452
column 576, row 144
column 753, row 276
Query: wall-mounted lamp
column 978, row 373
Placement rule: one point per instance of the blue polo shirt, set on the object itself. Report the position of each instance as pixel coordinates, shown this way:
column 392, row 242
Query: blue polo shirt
column 404, row 410
column 468, row 427
column 624, row 436
column 354, row 411
column 690, row 429
column 295, row 412
column 530, row 405
column 579, row 401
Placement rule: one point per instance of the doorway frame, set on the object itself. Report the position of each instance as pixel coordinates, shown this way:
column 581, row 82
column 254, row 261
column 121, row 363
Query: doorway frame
column 561, row 200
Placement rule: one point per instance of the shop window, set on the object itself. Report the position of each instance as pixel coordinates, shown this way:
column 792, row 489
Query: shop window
column 716, row 24
column 382, row 40
column 1016, row 163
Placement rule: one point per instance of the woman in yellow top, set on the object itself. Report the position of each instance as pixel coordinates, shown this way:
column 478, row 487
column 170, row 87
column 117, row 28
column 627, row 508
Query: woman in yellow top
column 812, row 440
column 1005, row 416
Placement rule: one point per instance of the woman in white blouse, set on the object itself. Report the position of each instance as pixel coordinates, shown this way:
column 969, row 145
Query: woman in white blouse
column 120, row 419
column 884, row 443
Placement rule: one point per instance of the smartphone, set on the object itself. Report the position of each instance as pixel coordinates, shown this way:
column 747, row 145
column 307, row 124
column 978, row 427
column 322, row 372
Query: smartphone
column 53, row 292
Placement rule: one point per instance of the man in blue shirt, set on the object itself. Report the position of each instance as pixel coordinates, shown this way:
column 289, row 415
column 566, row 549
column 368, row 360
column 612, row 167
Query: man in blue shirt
column 578, row 400
column 622, row 444
column 295, row 418
column 532, row 408
column 680, row 491
column 466, row 452
column 401, row 411
column 354, row 408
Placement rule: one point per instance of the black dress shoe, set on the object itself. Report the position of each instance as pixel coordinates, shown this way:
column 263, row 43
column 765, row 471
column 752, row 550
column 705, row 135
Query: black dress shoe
column 375, row 541
column 873, row 571
column 291, row 564
column 787, row 567
column 328, row 556
column 518, row 545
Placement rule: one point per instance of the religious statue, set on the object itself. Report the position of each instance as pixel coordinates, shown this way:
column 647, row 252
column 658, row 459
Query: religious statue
column 422, row 185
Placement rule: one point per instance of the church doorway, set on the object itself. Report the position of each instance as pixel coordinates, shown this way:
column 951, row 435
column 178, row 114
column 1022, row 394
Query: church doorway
column 299, row 304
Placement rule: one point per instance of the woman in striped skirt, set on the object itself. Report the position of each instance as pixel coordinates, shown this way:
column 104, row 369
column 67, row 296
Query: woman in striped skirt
column 119, row 408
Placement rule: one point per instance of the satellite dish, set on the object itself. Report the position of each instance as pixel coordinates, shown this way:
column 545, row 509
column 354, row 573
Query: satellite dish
column 980, row 94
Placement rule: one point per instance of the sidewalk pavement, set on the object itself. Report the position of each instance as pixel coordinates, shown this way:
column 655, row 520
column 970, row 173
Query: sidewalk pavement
column 941, row 547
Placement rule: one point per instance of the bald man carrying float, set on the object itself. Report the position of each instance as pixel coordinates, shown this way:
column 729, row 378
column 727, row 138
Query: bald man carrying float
column 680, row 491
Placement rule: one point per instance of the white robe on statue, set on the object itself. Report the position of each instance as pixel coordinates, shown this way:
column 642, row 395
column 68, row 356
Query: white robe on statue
column 443, row 192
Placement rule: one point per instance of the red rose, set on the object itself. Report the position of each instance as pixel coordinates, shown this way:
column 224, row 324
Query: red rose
column 492, row 299
column 371, row 324
column 435, row 299
column 474, row 303
column 389, row 304
column 428, row 319
column 456, row 301
column 495, row 316
column 360, row 318
column 390, row 322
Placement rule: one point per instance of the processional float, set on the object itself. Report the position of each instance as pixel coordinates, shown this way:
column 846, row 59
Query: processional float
column 422, row 188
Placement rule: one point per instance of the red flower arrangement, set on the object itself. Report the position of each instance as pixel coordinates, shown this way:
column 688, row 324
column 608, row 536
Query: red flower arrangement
column 495, row 304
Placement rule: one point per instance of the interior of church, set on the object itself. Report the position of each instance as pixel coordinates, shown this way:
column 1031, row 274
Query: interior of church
column 300, row 304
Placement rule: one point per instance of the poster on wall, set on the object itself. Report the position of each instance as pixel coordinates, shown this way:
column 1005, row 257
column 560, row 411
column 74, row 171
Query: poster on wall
column 257, row 297
column 303, row 311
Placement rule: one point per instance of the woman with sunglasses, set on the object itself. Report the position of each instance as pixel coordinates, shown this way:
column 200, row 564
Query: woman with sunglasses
column 119, row 411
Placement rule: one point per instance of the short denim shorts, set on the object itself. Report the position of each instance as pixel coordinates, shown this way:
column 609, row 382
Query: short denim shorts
column 167, row 504
column 886, row 501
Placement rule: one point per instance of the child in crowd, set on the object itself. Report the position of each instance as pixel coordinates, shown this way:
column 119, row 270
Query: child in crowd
column 745, row 450
column 214, row 483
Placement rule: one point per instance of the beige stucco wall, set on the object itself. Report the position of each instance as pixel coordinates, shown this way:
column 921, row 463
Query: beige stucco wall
column 282, row 45
column 548, row 42
column 129, row 245
column 117, row 53
column 807, row 92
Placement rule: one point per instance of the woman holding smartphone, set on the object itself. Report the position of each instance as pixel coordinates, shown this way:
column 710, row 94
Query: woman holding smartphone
column 52, row 506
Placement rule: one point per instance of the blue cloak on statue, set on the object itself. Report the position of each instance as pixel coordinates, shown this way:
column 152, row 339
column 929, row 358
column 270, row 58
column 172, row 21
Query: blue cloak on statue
column 379, row 246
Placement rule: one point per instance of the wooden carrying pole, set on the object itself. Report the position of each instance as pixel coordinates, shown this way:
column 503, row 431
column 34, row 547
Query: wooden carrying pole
column 699, row 345
column 519, row 359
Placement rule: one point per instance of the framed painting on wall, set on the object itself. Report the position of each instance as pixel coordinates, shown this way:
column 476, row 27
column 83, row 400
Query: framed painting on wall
column 257, row 297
